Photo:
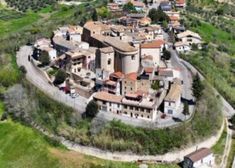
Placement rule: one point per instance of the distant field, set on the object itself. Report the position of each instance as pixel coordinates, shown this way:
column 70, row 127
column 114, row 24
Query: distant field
column 12, row 21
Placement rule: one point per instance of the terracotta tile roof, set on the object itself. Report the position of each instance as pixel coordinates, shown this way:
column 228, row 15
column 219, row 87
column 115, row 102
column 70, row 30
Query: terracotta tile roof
column 165, row 72
column 174, row 18
column 138, row 3
column 180, row 1
column 179, row 43
column 188, row 33
column 119, row 44
column 145, row 21
column 90, row 25
column 131, row 76
column 199, row 154
column 174, row 93
column 109, row 82
column 147, row 57
column 118, row 75
column 153, row 44
column 105, row 96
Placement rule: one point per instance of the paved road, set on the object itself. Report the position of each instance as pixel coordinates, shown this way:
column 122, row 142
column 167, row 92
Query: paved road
column 227, row 148
column 37, row 78
column 228, row 110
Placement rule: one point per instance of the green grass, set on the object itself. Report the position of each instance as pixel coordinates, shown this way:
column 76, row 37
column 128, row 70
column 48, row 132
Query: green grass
column 9, row 72
column 218, row 148
column 9, row 23
column 22, row 147
column 210, row 33
column 1, row 108
column 231, row 154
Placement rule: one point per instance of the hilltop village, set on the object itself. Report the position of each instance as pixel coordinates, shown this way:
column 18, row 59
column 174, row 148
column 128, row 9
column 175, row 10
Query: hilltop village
column 124, row 66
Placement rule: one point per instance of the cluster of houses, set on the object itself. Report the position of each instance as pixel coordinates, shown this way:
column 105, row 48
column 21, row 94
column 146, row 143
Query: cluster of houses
column 119, row 64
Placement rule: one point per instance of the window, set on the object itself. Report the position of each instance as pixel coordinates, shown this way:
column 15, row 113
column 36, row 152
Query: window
column 170, row 112
column 132, row 57
column 109, row 61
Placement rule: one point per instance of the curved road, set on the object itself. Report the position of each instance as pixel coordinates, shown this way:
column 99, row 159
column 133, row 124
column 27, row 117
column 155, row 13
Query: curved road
column 39, row 79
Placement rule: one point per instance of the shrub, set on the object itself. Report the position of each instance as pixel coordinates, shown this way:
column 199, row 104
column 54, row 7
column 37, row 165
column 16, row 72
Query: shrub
column 60, row 77
column 91, row 109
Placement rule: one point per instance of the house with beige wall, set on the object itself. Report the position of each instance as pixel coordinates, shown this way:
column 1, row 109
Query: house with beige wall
column 189, row 37
column 132, row 84
column 153, row 48
column 173, row 99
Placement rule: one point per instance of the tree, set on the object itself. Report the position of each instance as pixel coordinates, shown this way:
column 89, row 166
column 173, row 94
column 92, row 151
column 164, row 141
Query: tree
column 103, row 12
column 94, row 15
column 60, row 77
column 197, row 86
column 155, row 85
column 157, row 15
column 92, row 109
column 166, row 54
column 129, row 7
column 44, row 58
column 186, row 108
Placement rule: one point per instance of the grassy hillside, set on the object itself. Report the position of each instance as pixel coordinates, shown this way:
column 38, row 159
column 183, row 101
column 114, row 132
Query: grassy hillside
column 216, row 24
column 22, row 147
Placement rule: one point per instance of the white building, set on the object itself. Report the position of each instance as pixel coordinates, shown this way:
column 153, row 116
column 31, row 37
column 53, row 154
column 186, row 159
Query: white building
column 45, row 45
column 182, row 47
column 173, row 99
column 189, row 37
column 108, row 102
column 200, row 158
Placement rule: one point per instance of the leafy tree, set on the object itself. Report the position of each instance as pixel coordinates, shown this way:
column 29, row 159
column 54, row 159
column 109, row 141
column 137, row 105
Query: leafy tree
column 155, row 85
column 44, row 58
column 129, row 7
column 94, row 15
column 91, row 109
column 60, row 77
column 197, row 86
column 157, row 15
column 103, row 12
column 166, row 55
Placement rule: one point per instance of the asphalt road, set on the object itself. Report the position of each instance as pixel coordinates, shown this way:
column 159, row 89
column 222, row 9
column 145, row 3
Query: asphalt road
column 37, row 78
